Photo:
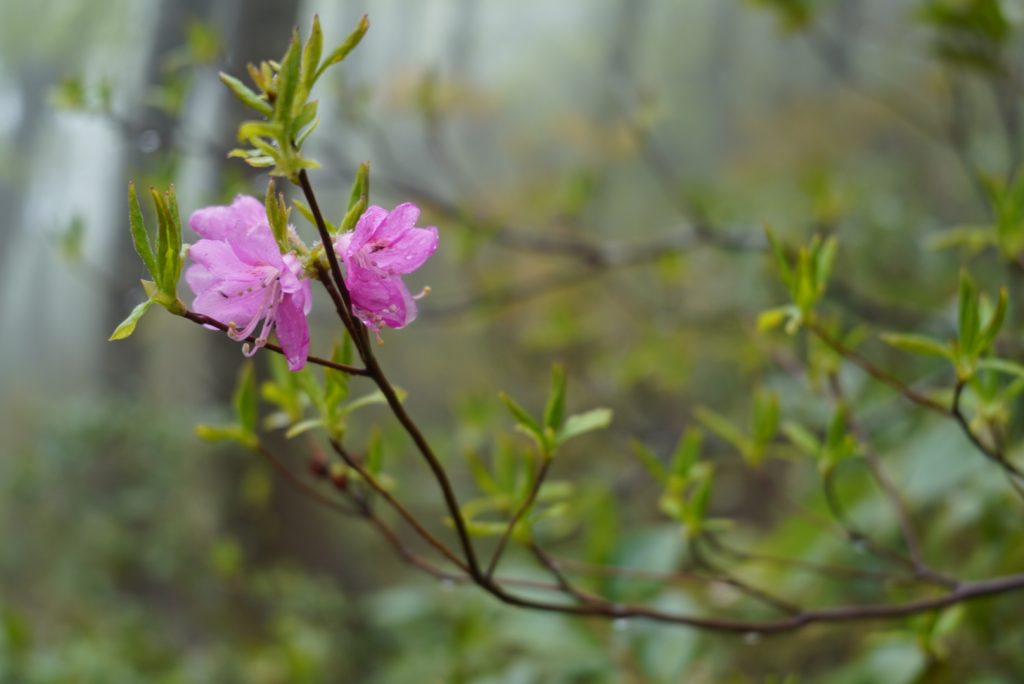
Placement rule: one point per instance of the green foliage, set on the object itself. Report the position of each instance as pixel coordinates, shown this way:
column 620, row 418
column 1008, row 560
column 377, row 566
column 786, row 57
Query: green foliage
column 283, row 100
column 805, row 276
column 975, row 335
column 555, row 429
column 164, row 263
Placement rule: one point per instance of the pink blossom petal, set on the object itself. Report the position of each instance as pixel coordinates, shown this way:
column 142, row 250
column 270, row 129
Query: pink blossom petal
column 401, row 219
column 258, row 247
column 366, row 226
column 230, row 222
column 408, row 253
column 293, row 331
column 226, row 309
column 380, row 299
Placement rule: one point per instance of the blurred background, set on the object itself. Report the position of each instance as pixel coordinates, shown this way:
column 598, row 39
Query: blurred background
column 600, row 172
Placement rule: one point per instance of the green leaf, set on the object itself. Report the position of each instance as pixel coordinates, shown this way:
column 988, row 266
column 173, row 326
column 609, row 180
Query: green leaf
column 288, row 82
column 650, row 461
column 766, row 416
column 374, row 397
column 969, row 323
column 248, row 97
column 177, row 259
column 303, row 426
column 772, row 318
column 127, row 326
column 781, row 261
column 245, row 400
column 824, row 259
column 224, row 433
column 973, row 238
column 311, row 54
column 483, row 478
column 995, row 322
column 917, row 344
column 524, row 419
column 308, row 215
column 687, row 452
column 724, row 428
column 277, row 216
column 165, row 251
column 802, row 438
column 1003, row 366
column 588, row 421
column 701, row 497
column 342, row 50
column 554, row 412
column 140, row 238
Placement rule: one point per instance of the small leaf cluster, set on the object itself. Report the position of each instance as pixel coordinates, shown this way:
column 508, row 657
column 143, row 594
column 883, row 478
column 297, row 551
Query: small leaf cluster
column 752, row 443
column 970, row 34
column 555, row 428
column 1005, row 233
column 164, row 262
column 836, row 446
column 504, row 485
column 978, row 324
column 805, row 276
column 687, row 483
column 282, row 98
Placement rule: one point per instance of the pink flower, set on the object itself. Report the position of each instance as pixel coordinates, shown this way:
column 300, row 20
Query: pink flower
column 241, row 279
column 382, row 248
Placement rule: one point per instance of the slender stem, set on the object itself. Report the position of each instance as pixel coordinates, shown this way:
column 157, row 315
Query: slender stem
column 753, row 592
column 343, row 304
column 326, row 363
column 876, row 372
column 563, row 582
column 406, row 514
column 858, row 536
column 302, row 485
column 890, row 491
column 518, row 515
column 836, row 571
column 1014, row 475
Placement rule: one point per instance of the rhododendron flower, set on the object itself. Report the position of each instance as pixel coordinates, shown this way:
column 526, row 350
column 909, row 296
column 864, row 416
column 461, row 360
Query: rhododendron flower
column 241, row 279
column 383, row 247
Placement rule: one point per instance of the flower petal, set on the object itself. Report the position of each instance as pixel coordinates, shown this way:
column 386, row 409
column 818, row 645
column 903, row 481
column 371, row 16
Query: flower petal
column 228, row 222
column 228, row 309
column 401, row 219
column 365, row 228
column 380, row 299
column 408, row 253
column 220, row 266
column 293, row 331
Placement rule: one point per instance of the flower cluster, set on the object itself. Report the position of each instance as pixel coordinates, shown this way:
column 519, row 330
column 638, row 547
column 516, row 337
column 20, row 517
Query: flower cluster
column 383, row 247
column 241, row 279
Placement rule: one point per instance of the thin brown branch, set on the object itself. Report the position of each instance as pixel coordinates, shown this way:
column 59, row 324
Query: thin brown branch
column 744, row 587
column 326, row 363
column 407, row 515
column 874, row 371
column 890, row 491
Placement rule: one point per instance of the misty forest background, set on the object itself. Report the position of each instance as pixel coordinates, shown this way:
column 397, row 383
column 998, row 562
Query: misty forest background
column 601, row 172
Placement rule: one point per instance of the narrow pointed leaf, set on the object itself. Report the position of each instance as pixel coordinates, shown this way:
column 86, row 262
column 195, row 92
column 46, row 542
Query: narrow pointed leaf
column 247, row 97
column 127, row 326
column 140, row 238
column 342, row 50
column 594, row 419
column 554, row 412
column 917, row 344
